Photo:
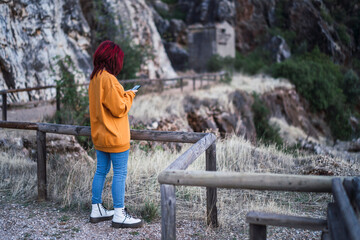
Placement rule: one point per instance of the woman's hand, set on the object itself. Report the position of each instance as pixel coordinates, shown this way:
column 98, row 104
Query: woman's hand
column 135, row 91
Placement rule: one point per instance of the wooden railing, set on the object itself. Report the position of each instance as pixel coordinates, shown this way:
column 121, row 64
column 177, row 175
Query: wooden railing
column 198, row 77
column 252, row 181
column 203, row 142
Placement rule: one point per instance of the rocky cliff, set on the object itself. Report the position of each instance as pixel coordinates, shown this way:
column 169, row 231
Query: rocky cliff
column 32, row 34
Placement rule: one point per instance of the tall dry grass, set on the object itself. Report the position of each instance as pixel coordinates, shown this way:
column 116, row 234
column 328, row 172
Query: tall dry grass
column 69, row 181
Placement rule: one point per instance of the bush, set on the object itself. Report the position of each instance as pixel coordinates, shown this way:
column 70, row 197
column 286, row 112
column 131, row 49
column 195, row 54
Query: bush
column 319, row 80
column 351, row 87
column 315, row 76
column 254, row 62
column 217, row 63
column 268, row 134
column 74, row 99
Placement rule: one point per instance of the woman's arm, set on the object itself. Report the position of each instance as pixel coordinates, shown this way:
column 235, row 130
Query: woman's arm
column 118, row 101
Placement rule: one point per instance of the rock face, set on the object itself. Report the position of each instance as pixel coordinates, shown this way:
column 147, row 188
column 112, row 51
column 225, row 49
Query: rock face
column 252, row 20
column 279, row 49
column 32, row 34
column 208, row 114
column 138, row 18
column 287, row 104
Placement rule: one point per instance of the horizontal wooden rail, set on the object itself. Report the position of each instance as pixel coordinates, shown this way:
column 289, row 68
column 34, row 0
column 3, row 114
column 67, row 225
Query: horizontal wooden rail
column 261, row 218
column 146, row 135
column 122, row 81
column 254, row 181
column 26, row 89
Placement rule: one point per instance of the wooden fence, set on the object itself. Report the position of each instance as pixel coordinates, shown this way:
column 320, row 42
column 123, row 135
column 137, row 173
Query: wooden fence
column 194, row 78
column 203, row 142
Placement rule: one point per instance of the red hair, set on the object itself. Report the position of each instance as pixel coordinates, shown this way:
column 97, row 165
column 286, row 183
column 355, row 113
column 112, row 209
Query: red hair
column 109, row 56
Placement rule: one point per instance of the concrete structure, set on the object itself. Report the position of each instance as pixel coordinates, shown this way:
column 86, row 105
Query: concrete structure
column 206, row 41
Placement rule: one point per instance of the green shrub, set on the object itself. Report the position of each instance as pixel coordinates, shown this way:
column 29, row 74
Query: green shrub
column 319, row 80
column 315, row 76
column 149, row 212
column 253, row 63
column 343, row 35
column 217, row 63
column 268, row 134
column 351, row 87
column 74, row 99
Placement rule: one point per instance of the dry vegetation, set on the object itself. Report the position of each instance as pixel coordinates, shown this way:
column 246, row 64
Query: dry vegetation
column 69, row 179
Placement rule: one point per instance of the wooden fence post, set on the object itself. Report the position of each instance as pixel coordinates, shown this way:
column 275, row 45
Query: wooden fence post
column 194, row 84
column 4, row 107
column 41, row 165
column 211, row 193
column 181, row 84
column 257, row 232
column 168, row 212
column 57, row 98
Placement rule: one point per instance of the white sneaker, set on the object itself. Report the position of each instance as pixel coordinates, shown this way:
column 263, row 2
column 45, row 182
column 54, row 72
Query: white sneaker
column 99, row 213
column 122, row 219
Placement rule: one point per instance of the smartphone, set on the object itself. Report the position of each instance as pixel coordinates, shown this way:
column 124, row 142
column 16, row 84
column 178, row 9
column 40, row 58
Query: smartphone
column 136, row 87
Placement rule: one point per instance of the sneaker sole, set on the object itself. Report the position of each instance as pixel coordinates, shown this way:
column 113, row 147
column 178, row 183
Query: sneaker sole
column 100, row 219
column 122, row 225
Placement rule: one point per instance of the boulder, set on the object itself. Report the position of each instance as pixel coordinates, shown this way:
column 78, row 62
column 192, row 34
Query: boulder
column 278, row 48
column 162, row 25
column 178, row 31
column 178, row 56
column 160, row 6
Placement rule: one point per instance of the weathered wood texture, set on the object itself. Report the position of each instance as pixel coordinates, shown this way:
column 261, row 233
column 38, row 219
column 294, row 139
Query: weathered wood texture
column 192, row 153
column 262, row 218
column 4, row 106
column 41, row 165
column 19, row 125
column 345, row 209
column 168, row 212
column 211, row 193
column 255, row 181
column 336, row 225
column 162, row 136
column 26, row 89
column 257, row 232
column 65, row 129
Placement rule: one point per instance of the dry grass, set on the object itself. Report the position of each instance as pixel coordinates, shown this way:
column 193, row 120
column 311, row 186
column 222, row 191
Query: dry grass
column 70, row 180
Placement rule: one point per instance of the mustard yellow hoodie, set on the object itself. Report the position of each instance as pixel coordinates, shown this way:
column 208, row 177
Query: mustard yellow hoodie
column 109, row 105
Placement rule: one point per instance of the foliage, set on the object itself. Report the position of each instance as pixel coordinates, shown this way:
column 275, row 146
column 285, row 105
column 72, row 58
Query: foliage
column 74, row 99
column 351, row 87
column 315, row 76
column 319, row 80
column 217, row 63
column 254, row 62
column 343, row 35
column 149, row 212
column 268, row 134
column 288, row 35
column 175, row 12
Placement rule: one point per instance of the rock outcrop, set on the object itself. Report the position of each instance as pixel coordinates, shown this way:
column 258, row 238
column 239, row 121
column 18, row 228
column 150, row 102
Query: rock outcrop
column 32, row 34
column 137, row 17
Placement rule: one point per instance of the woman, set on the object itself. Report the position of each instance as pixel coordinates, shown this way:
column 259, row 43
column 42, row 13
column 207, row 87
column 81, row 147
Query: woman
column 109, row 105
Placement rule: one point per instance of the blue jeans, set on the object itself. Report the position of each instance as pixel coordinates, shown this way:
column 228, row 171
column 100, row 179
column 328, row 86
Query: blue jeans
column 119, row 161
